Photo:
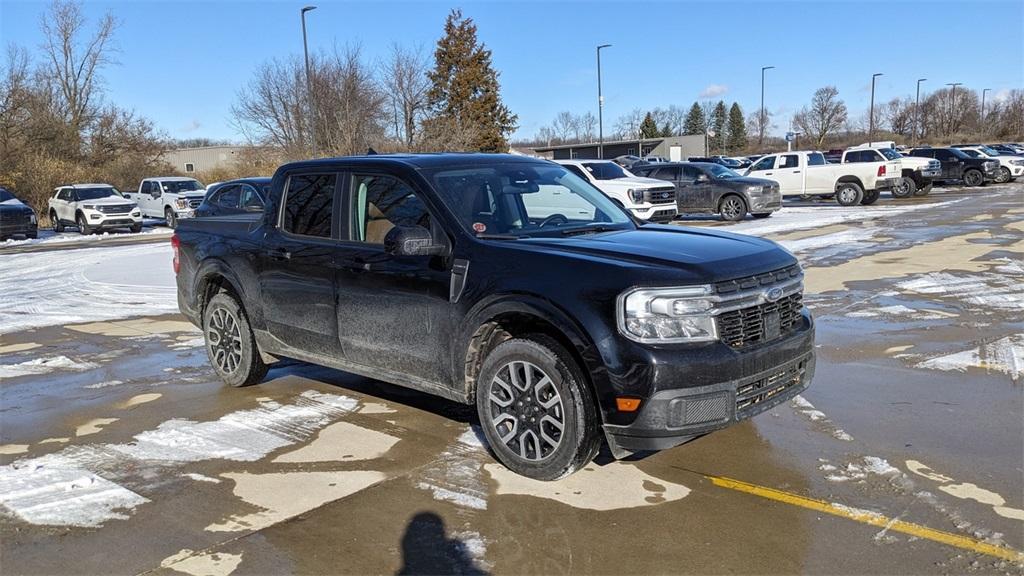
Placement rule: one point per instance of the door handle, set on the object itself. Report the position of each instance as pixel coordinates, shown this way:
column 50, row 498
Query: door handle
column 767, row 173
column 796, row 171
column 279, row 254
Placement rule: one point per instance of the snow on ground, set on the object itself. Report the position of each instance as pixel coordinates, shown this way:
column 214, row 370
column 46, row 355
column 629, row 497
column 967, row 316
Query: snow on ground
column 1005, row 355
column 44, row 366
column 1003, row 290
column 49, row 237
column 90, row 284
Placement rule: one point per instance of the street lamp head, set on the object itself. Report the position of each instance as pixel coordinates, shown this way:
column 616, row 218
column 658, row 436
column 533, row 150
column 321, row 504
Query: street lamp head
column 921, row 79
column 763, row 68
column 877, row 74
column 308, row 8
column 604, row 46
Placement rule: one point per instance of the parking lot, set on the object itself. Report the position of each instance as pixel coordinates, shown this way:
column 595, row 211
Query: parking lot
column 121, row 451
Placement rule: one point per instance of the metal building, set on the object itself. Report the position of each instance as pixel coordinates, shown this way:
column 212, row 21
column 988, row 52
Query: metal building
column 190, row 160
column 672, row 147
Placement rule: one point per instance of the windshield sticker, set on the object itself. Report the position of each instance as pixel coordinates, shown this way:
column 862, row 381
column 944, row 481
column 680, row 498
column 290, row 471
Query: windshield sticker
column 479, row 227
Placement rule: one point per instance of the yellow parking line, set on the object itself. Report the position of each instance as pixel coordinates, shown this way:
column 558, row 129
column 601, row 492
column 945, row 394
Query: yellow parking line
column 871, row 518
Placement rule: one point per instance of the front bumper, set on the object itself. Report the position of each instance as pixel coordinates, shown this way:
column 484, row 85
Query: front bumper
column 693, row 393
column 931, row 173
column 14, row 228
column 1016, row 170
column 767, row 203
column 657, row 213
column 107, row 221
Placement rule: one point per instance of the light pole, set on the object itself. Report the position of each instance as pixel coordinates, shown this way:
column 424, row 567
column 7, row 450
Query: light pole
column 309, row 82
column 600, row 106
column 871, row 112
column 917, row 112
column 952, row 104
column 983, row 107
column 761, row 119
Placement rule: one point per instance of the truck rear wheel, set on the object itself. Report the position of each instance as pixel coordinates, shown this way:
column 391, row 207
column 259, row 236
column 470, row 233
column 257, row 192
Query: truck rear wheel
column 870, row 197
column 973, row 178
column 230, row 343
column 849, row 194
column 170, row 218
column 536, row 409
column 923, row 191
column 905, row 189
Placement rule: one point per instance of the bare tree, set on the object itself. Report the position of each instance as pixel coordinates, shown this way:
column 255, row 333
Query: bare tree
column 1007, row 116
column 898, row 115
column 75, row 60
column 760, row 123
column 564, row 126
column 826, row 115
column 947, row 112
column 586, row 125
column 404, row 78
column 271, row 109
column 628, row 125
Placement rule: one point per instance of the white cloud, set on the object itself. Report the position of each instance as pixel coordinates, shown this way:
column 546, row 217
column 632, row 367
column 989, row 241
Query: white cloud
column 714, row 90
column 192, row 126
column 1002, row 95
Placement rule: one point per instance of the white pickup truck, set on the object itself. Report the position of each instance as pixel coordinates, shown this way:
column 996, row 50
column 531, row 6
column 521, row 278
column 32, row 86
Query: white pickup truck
column 808, row 174
column 168, row 197
column 918, row 174
column 646, row 198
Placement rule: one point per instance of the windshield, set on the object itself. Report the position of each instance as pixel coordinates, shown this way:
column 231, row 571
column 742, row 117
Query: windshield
column 719, row 172
column 516, row 199
column 989, row 151
column 176, row 186
column 96, row 193
column 605, row 170
column 972, row 153
column 890, row 154
column 5, row 195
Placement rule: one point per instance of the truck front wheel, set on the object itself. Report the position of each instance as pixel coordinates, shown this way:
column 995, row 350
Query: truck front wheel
column 1004, row 175
column 170, row 218
column 230, row 343
column 536, row 409
column 905, row 189
column 973, row 178
column 849, row 194
column 732, row 208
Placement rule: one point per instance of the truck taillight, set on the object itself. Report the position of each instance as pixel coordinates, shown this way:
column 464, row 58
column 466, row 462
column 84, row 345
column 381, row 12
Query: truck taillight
column 176, row 245
column 881, row 170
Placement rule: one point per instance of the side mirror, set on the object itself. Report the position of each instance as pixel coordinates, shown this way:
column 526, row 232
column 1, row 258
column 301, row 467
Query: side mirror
column 412, row 241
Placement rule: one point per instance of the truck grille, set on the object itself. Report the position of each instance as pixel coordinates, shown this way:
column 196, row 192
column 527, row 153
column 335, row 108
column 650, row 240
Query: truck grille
column 760, row 323
column 766, row 279
column 660, row 195
column 934, row 165
column 115, row 208
column 195, row 203
column 749, row 394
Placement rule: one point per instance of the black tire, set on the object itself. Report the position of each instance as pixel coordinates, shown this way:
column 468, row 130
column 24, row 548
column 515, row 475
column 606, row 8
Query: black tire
column 58, row 226
column 760, row 215
column 905, row 189
column 732, row 208
column 870, row 197
column 849, row 194
column 170, row 218
column 923, row 191
column 973, row 178
column 546, row 360
column 1004, row 175
column 236, row 361
column 136, row 228
column 83, row 225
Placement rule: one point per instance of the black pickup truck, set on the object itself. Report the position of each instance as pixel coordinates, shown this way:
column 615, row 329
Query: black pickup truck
column 959, row 166
column 506, row 282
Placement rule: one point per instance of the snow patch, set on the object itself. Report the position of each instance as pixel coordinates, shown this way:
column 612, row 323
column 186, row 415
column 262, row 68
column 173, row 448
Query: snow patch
column 1004, row 291
column 1005, row 355
column 456, row 475
column 44, row 366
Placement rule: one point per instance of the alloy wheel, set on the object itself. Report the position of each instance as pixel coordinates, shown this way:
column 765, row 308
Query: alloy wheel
column 732, row 208
column 973, row 178
column 225, row 340
column 526, row 410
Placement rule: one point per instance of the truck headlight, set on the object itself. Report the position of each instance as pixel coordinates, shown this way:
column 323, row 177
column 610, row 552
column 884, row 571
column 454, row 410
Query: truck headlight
column 88, row 207
column 181, row 203
column 667, row 315
column 637, row 196
column 754, row 190
column 1017, row 162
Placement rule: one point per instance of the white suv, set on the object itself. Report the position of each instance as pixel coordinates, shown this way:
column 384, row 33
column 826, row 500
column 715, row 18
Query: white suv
column 645, row 198
column 92, row 207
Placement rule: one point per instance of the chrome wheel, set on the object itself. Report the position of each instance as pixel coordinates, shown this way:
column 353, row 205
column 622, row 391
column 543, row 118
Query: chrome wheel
column 526, row 410
column 733, row 208
column 1004, row 175
column 225, row 340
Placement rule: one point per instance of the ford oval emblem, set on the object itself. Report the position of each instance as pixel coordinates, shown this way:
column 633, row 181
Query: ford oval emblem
column 773, row 294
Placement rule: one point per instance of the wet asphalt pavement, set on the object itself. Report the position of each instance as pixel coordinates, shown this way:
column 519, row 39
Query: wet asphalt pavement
column 906, row 454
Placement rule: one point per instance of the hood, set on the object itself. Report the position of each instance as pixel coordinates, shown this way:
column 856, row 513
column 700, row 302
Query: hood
column 109, row 201
column 705, row 255
column 14, row 204
column 636, row 181
column 915, row 160
column 192, row 194
column 747, row 181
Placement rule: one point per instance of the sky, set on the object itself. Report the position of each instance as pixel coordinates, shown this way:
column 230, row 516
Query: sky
column 181, row 63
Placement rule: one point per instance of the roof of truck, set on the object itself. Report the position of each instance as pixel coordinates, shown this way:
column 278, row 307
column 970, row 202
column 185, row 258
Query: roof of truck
column 170, row 178
column 85, row 186
column 435, row 160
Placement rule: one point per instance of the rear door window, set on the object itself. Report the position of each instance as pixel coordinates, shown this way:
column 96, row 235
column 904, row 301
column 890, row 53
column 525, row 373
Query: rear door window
column 789, row 161
column 308, row 208
column 228, row 197
column 250, row 198
column 816, row 159
column 766, row 163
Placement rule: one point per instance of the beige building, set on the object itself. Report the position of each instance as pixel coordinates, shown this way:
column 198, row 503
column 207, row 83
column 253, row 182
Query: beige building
column 190, row 160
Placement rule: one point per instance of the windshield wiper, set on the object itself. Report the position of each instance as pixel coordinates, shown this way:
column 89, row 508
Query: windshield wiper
column 587, row 230
column 500, row 236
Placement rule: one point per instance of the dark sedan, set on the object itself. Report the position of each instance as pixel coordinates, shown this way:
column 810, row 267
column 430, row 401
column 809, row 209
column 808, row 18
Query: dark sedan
column 241, row 196
column 703, row 187
column 16, row 217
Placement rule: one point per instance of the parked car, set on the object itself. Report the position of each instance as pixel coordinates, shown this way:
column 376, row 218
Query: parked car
column 16, row 217
column 169, row 197
column 917, row 174
column 1011, row 166
column 234, row 197
column 807, row 174
column 834, row 156
column 432, row 272
column 627, row 161
column 703, row 187
column 956, row 165
column 92, row 207
column 1010, row 149
column 646, row 198
column 721, row 160
column 655, row 159
column 744, row 162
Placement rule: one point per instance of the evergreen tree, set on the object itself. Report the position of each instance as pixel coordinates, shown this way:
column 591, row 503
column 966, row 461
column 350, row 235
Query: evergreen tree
column 648, row 128
column 666, row 130
column 737, row 129
column 695, row 122
column 466, row 107
column 717, row 123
